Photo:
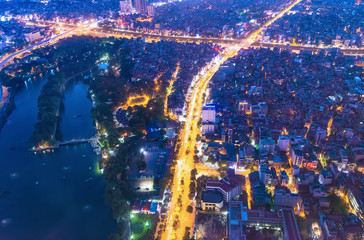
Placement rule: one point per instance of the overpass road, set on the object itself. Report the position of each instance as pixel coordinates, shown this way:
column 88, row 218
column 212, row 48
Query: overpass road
column 51, row 40
column 124, row 33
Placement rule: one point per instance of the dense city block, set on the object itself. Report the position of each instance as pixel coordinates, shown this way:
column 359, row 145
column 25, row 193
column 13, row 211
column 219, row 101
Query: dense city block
column 182, row 119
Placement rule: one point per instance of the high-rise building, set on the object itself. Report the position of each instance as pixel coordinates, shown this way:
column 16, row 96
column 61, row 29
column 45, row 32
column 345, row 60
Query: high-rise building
column 141, row 6
column 150, row 10
column 209, row 113
column 125, row 7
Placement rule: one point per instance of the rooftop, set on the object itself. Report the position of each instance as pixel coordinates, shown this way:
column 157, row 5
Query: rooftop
column 212, row 196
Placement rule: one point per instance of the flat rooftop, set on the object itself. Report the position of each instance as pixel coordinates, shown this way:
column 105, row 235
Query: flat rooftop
column 292, row 229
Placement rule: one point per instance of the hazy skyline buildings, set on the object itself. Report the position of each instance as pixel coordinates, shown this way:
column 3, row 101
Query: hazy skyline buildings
column 141, row 6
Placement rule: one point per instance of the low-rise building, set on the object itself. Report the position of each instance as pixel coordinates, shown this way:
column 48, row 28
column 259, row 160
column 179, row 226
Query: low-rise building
column 325, row 177
column 283, row 142
column 212, row 200
column 265, row 174
column 230, row 186
column 297, row 156
column 284, row 178
column 351, row 228
column 33, row 36
column 284, row 198
column 329, row 228
column 318, row 191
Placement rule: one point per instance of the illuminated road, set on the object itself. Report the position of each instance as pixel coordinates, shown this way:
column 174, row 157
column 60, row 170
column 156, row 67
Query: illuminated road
column 69, row 31
column 123, row 33
column 297, row 47
column 150, row 36
column 28, row 49
column 178, row 218
column 156, row 37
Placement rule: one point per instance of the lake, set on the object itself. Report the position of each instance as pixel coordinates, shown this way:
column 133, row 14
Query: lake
column 58, row 195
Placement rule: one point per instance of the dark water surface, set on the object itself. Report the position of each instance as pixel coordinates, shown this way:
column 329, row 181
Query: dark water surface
column 45, row 196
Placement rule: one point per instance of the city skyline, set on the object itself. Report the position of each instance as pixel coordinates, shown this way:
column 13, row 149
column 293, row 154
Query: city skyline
column 191, row 119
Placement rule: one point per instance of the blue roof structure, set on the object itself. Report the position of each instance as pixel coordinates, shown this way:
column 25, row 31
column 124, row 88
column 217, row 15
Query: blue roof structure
column 153, row 207
column 212, row 196
column 209, row 107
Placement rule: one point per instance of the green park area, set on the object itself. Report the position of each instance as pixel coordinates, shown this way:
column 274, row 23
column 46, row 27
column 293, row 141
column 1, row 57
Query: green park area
column 142, row 226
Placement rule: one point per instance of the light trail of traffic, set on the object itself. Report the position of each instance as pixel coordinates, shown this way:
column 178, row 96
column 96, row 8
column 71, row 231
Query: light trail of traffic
column 178, row 218
column 49, row 41
column 151, row 36
column 27, row 50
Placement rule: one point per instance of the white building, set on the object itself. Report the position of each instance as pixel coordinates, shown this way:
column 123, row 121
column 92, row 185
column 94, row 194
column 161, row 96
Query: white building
column 297, row 156
column 344, row 157
column 3, row 45
column 283, row 142
column 32, row 37
column 230, row 187
column 283, row 198
column 209, row 114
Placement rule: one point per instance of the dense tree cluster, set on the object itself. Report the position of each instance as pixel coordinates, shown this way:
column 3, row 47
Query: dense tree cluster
column 64, row 55
column 193, row 183
column 48, row 106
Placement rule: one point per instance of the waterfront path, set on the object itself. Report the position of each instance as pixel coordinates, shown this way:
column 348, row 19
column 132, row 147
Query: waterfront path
column 93, row 141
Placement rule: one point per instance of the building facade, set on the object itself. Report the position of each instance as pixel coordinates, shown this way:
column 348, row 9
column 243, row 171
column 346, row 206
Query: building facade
column 283, row 198
column 212, row 200
column 141, row 6
column 151, row 12
column 125, row 7
column 209, row 113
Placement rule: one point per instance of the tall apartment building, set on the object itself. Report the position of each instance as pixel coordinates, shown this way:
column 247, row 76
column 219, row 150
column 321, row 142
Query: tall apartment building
column 125, row 7
column 208, row 118
column 141, row 6
column 209, row 113
column 151, row 11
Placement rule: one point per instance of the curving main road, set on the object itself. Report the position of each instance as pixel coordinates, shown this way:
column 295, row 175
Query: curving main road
column 119, row 33
column 178, row 218
column 53, row 39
